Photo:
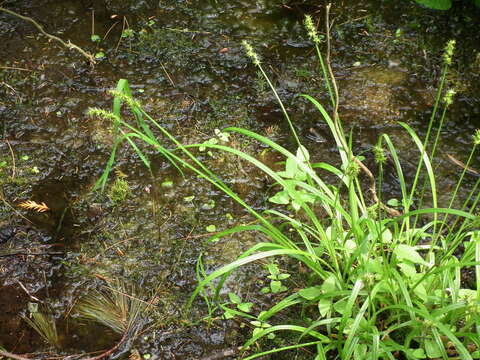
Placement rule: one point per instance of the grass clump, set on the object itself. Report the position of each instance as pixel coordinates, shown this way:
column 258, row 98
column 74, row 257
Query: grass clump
column 112, row 308
column 44, row 325
column 381, row 283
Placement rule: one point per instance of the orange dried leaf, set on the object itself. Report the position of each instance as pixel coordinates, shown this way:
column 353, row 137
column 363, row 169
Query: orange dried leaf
column 33, row 205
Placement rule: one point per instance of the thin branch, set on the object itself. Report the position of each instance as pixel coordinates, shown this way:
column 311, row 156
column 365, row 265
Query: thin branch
column 13, row 159
column 12, row 356
column 68, row 45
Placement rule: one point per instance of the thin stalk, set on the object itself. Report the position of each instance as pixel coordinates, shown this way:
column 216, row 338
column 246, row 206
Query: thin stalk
column 452, row 199
column 427, row 137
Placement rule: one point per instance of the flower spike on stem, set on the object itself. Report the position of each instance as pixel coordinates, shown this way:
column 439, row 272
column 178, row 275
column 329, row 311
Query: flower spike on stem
column 448, row 55
column 311, row 30
column 251, row 53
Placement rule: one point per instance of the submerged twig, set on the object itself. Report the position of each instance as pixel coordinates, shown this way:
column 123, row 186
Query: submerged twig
column 68, row 44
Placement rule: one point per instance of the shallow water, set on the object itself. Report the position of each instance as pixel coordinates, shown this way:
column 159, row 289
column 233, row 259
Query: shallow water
column 186, row 65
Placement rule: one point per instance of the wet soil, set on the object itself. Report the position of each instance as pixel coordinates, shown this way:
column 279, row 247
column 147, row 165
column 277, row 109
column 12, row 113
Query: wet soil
column 185, row 64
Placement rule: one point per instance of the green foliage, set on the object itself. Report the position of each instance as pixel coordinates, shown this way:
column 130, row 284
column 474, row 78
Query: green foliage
column 112, row 308
column 379, row 286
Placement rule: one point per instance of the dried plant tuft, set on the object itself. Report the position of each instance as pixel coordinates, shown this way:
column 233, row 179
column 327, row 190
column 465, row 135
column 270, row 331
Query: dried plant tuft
column 33, row 205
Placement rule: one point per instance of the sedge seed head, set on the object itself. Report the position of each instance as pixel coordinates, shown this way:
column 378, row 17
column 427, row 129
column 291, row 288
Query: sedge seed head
column 131, row 102
column 448, row 53
column 311, row 30
column 476, row 137
column 102, row 114
column 251, row 53
column 448, row 98
column 379, row 153
column 353, row 169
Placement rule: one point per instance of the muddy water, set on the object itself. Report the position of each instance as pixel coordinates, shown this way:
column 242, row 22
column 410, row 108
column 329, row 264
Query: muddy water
column 185, row 64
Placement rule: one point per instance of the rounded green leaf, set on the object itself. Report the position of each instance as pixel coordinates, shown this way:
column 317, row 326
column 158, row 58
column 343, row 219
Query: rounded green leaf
column 234, row 298
column 310, row 293
column 406, row 252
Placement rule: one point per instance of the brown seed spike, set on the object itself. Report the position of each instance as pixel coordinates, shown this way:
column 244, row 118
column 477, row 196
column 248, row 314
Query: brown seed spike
column 32, row 205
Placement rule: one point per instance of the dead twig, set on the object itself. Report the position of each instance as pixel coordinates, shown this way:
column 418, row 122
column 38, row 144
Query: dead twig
column 12, row 356
column 461, row 164
column 168, row 76
column 25, row 253
column 68, row 44
column 14, row 68
column 28, row 293
column 13, row 158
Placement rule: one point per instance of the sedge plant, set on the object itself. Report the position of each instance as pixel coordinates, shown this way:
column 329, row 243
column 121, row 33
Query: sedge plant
column 380, row 284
